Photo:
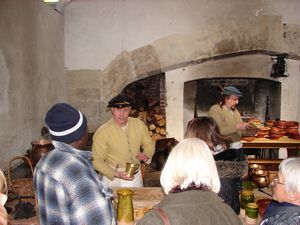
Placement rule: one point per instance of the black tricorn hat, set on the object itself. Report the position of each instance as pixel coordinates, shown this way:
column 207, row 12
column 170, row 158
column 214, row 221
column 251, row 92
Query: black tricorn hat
column 120, row 101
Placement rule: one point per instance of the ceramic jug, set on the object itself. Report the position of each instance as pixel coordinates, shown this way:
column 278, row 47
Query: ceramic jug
column 125, row 213
column 40, row 148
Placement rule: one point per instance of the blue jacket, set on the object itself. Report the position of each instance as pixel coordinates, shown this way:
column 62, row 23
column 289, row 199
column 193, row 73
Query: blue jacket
column 281, row 214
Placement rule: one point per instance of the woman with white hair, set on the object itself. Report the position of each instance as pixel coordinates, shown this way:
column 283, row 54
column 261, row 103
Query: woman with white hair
column 191, row 182
column 285, row 207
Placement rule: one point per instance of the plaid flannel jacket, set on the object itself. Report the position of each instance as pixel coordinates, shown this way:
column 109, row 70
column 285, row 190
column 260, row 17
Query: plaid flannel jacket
column 68, row 189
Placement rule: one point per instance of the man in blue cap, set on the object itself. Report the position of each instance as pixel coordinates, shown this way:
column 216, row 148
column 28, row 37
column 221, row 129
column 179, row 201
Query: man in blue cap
column 67, row 187
column 226, row 115
column 121, row 140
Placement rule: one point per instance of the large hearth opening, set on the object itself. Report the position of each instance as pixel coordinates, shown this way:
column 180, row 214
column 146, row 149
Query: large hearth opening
column 149, row 97
column 261, row 97
column 149, row 103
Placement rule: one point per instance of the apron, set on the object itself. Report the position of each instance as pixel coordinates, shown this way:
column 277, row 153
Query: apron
column 117, row 182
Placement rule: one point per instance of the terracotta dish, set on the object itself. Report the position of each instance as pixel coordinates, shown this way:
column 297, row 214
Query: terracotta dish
column 262, row 205
column 275, row 136
column 292, row 124
column 248, row 139
column 294, row 136
column 265, row 128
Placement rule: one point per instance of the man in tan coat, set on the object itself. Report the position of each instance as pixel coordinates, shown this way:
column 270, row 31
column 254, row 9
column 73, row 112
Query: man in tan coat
column 120, row 140
column 227, row 116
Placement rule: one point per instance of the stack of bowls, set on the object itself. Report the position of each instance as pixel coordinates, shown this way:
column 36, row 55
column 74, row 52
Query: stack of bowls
column 275, row 133
column 270, row 123
column 263, row 132
column 292, row 129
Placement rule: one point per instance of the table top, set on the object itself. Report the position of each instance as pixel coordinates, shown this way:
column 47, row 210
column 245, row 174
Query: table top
column 283, row 142
column 146, row 197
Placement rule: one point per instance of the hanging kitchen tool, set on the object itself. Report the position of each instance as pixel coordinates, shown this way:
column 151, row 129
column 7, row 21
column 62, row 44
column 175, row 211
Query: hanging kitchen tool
column 267, row 116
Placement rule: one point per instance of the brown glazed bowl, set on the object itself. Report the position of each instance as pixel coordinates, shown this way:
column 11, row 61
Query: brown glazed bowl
column 275, row 130
column 262, row 205
column 249, row 138
column 291, row 123
column 275, row 136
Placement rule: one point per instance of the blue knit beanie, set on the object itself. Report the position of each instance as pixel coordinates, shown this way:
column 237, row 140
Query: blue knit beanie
column 65, row 123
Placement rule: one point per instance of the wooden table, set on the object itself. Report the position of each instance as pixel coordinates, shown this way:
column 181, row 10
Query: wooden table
column 147, row 197
column 143, row 199
column 283, row 142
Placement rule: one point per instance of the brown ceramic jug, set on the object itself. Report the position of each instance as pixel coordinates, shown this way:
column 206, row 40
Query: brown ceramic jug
column 40, row 148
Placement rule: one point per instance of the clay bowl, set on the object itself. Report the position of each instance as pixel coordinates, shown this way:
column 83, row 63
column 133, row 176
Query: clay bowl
column 295, row 136
column 269, row 123
column 292, row 124
column 248, row 139
column 275, row 130
column 283, row 132
column 281, row 123
column 275, row 136
column 292, row 130
column 261, row 134
column 262, row 205
column 265, row 129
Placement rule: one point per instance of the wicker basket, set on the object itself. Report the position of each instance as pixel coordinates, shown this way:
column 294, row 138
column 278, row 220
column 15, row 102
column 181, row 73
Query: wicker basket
column 23, row 186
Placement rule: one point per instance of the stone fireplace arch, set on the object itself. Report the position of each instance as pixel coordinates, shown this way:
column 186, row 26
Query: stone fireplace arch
column 235, row 49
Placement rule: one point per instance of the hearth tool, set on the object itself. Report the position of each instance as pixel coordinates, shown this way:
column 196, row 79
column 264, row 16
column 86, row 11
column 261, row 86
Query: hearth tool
column 267, row 116
column 261, row 190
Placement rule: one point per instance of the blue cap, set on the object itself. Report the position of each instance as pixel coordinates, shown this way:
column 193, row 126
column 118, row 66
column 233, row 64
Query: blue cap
column 231, row 90
column 65, row 123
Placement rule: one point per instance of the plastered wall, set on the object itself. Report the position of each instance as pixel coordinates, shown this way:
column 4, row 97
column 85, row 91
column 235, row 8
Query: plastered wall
column 31, row 72
column 120, row 42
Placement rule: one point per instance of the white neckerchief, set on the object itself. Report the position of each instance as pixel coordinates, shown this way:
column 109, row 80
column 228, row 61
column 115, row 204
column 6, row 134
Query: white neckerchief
column 124, row 128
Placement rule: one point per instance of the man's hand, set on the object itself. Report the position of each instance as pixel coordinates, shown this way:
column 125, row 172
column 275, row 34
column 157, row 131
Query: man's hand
column 123, row 175
column 143, row 157
column 243, row 126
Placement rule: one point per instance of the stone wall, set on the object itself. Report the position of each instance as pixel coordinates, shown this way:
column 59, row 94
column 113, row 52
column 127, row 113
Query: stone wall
column 264, row 35
column 31, row 72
